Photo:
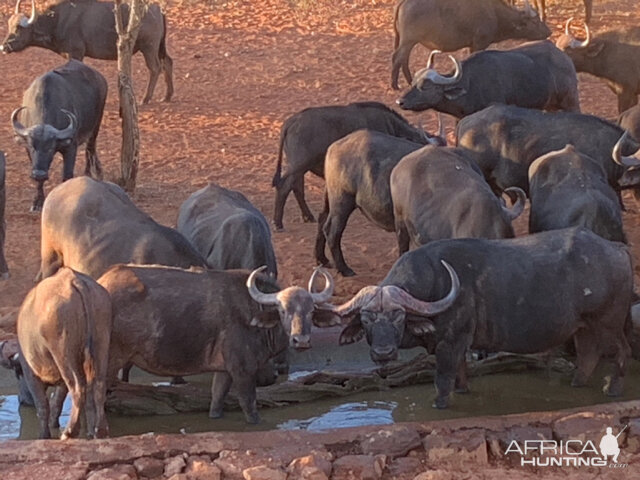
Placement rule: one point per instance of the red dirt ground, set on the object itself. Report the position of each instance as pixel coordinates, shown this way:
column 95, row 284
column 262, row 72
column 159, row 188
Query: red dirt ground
column 241, row 68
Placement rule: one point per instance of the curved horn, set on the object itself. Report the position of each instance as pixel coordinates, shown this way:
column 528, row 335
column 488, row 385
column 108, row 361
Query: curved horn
column 442, row 80
column 327, row 292
column 17, row 9
column 621, row 159
column 34, row 12
column 413, row 305
column 516, row 210
column 431, row 57
column 529, row 9
column 257, row 295
column 361, row 298
column 567, row 27
column 575, row 43
column 18, row 128
column 71, row 128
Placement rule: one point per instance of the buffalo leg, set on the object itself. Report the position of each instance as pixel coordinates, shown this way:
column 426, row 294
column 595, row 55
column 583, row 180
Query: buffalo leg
column 220, row 386
column 153, row 64
column 449, row 356
column 245, row 386
column 400, row 59
column 403, row 238
column 38, row 200
column 587, row 356
column 298, row 191
column 321, row 241
column 167, row 68
column 92, row 167
column 462, row 382
column 69, row 162
column 282, row 192
column 339, row 213
column 39, row 393
column 56, row 403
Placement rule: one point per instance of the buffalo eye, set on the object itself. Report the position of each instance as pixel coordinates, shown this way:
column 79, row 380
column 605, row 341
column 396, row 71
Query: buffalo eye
column 367, row 318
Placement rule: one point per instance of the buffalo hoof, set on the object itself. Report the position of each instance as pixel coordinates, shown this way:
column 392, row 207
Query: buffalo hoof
column 253, row 418
column 324, row 262
column 35, row 208
column 613, row 388
column 278, row 228
column 441, row 403
column 347, row 272
column 4, row 276
column 578, row 381
column 309, row 219
column 462, row 390
column 215, row 413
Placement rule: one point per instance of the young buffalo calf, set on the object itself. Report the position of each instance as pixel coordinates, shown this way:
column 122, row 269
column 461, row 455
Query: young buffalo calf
column 64, row 329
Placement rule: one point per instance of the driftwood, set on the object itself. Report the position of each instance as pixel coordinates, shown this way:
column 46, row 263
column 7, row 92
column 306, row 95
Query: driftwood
column 130, row 399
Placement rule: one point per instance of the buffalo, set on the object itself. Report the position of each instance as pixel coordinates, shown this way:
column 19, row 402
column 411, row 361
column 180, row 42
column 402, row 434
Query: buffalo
column 569, row 189
column 613, row 56
column 357, row 171
column 533, row 75
column 227, row 230
column 64, row 330
column 89, row 226
column 171, row 321
column 523, row 295
column 4, row 269
column 450, row 25
column 61, row 110
column 630, row 121
column 441, row 193
column 306, row 135
column 541, row 7
column 79, row 28
column 507, row 139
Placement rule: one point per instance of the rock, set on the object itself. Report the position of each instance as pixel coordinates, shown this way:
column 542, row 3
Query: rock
column 233, row 462
column 404, row 468
column 633, row 436
column 179, row 476
column 263, row 473
column 499, row 441
column 115, row 472
column 149, row 467
column 583, row 426
column 202, row 468
column 362, row 467
column 174, row 465
column 394, row 441
column 317, row 460
column 434, row 475
column 48, row 470
column 310, row 473
column 458, row 446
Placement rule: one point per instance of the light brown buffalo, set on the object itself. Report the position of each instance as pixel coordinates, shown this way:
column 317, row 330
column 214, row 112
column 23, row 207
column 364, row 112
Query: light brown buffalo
column 89, row 226
column 64, row 330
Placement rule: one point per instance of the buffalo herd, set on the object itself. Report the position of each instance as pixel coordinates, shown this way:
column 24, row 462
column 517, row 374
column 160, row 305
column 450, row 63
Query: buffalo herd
column 105, row 298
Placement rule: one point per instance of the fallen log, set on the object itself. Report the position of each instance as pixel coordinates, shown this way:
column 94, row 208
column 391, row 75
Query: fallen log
column 132, row 399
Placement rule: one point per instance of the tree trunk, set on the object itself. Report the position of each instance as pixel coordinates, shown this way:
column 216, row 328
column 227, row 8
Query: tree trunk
column 127, row 34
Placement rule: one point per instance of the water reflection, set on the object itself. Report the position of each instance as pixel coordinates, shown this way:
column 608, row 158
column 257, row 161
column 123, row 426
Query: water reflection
column 346, row 415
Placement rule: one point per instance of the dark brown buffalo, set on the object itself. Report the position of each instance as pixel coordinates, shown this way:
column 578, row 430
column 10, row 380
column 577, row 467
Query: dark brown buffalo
column 64, row 329
column 533, row 75
column 357, row 171
column 441, row 193
column 61, row 110
column 227, row 230
column 4, row 269
column 570, row 189
column 306, row 135
column 613, row 56
column 86, row 28
column 450, row 25
column 507, row 139
column 523, row 295
column 89, row 226
column 170, row 321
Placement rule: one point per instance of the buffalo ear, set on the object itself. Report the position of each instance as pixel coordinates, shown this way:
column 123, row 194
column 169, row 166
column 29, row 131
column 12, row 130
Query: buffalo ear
column 451, row 93
column 352, row 333
column 594, row 49
column 325, row 318
column 266, row 319
column 420, row 326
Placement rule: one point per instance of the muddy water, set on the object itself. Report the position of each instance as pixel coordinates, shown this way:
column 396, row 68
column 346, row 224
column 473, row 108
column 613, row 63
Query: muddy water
column 491, row 395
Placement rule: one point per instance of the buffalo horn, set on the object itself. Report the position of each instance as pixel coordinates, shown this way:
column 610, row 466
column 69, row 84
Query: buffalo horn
column 17, row 10
column 18, row 128
column 621, row 159
column 442, row 80
column 430, row 59
column 419, row 307
column 518, row 207
column 257, row 295
column 327, row 292
column 529, row 9
column 575, row 43
column 71, row 128
column 34, row 12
